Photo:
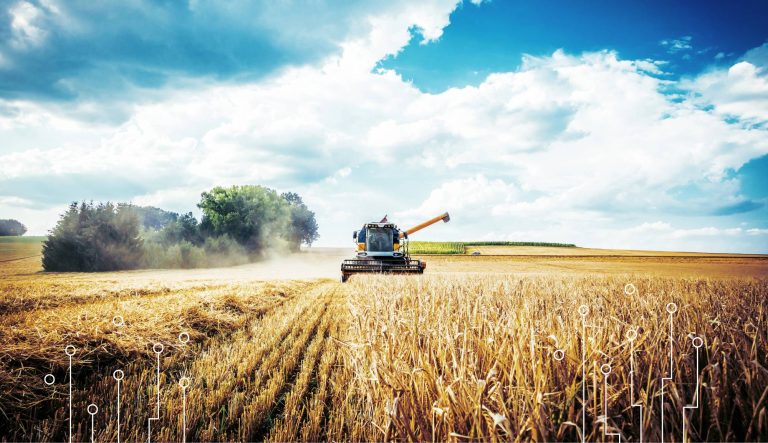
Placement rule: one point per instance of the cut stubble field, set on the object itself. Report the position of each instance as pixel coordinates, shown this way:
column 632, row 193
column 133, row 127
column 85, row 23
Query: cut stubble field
column 479, row 348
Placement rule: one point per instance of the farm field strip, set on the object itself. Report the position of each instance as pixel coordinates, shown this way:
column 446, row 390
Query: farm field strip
column 464, row 247
column 436, row 357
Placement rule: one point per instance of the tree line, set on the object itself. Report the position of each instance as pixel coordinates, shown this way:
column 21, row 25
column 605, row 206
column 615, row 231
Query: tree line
column 239, row 224
column 10, row 227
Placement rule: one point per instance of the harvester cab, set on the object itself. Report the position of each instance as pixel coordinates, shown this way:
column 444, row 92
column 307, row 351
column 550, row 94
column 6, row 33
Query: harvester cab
column 383, row 248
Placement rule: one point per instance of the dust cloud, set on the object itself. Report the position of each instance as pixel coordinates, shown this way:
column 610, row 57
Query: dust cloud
column 310, row 263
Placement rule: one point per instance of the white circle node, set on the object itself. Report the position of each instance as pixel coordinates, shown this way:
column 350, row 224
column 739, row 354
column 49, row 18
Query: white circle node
column 605, row 369
column 70, row 350
column 118, row 374
column 158, row 348
column 184, row 337
column 49, row 379
column 93, row 409
column 697, row 342
column 118, row 320
column 630, row 289
column 671, row 308
column 631, row 334
column 184, row 382
column 583, row 310
column 559, row 354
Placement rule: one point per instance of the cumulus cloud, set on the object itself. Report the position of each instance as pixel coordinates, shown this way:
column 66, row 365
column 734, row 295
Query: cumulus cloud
column 570, row 147
column 146, row 44
column 740, row 92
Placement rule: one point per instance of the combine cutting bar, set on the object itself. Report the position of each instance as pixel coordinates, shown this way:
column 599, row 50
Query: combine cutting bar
column 349, row 267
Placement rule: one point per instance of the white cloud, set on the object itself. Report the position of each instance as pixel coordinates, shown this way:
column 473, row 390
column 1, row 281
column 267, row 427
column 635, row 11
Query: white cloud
column 740, row 91
column 471, row 197
column 25, row 25
column 678, row 44
column 339, row 175
column 669, row 232
column 568, row 148
column 390, row 31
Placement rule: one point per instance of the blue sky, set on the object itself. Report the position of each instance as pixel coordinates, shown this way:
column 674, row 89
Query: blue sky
column 493, row 38
column 607, row 124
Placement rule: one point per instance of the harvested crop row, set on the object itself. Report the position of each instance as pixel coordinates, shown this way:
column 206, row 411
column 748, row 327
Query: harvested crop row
column 102, row 346
column 304, row 406
column 257, row 416
column 236, row 382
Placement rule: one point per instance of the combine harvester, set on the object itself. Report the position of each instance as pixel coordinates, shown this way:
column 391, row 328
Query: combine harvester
column 382, row 248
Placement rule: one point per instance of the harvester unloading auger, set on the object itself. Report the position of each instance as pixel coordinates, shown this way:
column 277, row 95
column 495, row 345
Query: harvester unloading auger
column 383, row 248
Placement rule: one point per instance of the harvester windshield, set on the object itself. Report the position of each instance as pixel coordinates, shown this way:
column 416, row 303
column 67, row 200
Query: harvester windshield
column 379, row 239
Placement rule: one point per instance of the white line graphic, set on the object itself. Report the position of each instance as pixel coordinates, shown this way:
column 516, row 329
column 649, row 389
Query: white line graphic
column 158, row 349
column 92, row 409
column 671, row 309
column 697, row 342
column 606, row 371
column 184, row 383
column 118, row 375
column 70, row 351
column 631, row 336
column 583, row 311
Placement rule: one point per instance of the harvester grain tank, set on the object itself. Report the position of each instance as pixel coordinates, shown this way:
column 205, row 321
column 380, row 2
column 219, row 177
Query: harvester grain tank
column 383, row 248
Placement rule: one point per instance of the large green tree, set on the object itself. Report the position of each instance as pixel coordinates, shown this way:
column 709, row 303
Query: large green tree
column 252, row 215
column 257, row 217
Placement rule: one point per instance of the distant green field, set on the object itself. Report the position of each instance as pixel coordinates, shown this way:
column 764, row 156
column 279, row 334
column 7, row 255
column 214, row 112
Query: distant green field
column 23, row 239
column 432, row 247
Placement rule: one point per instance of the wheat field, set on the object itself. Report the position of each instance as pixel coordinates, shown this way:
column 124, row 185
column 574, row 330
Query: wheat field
column 460, row 357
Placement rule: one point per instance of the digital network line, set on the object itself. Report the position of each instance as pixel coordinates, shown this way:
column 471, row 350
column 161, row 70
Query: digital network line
column 606, row 371
column 70, row 351
column 583, row 311
column 184, row 384
column 92, row 410
column 697, row 342
column 158, row 349
column 118, row 375
column 631, row 336
column 671, row 309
